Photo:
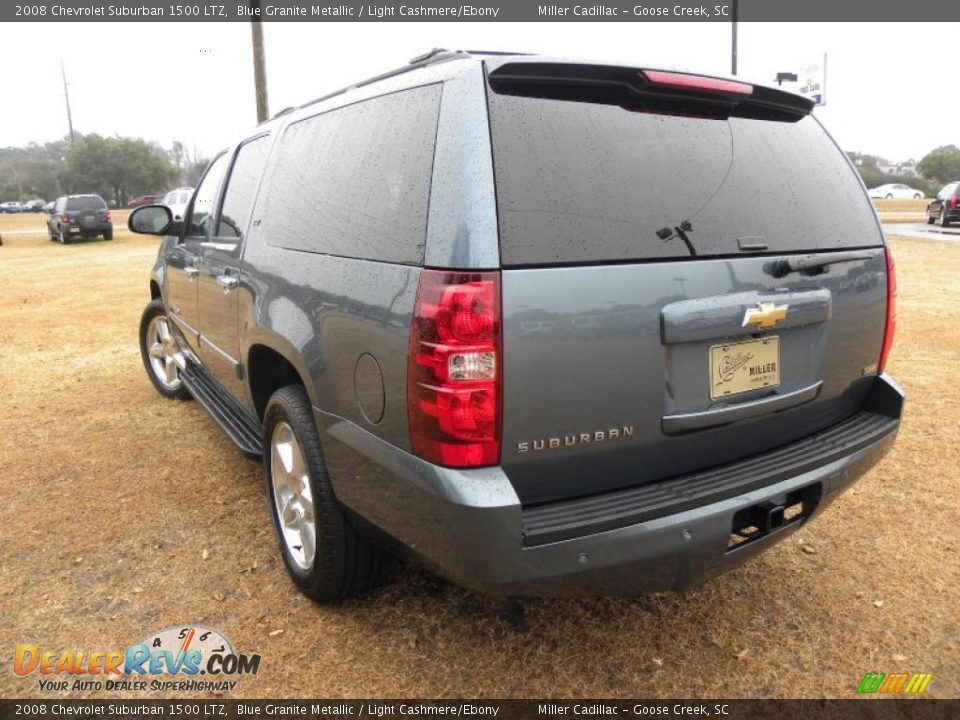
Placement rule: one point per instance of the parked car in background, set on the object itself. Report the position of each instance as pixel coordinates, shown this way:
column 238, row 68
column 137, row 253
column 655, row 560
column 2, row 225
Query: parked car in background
column 33, row 205
column 11, row 206
column 177, row 201
column 896, row 191
column 544, row 360
column 48, row 207
column 142, row 200
column 945, row 207
column 83, row 215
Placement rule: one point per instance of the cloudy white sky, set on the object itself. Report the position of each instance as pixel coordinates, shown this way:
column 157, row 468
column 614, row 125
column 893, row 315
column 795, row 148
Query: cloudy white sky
column 193, row 82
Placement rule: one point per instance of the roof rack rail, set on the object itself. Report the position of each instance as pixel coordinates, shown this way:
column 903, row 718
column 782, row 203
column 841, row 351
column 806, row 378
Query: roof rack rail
column 495, row 52
column 437, row 55
column 285, row 111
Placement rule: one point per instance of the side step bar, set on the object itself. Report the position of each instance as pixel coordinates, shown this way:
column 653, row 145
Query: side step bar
column 235, row 421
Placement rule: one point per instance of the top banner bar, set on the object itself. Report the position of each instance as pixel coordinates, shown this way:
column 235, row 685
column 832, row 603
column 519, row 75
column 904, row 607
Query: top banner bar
column 481, row 11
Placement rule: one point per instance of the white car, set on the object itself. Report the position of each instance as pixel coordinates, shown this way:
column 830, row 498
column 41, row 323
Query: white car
column 11, row 206
column 177, row 201
column 896, row 191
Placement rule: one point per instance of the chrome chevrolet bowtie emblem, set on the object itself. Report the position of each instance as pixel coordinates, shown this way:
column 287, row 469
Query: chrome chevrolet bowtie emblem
column 765, row 315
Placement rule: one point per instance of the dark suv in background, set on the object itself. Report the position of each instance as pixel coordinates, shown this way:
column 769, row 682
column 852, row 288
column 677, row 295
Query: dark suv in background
column 83, row 215
column 551, row 328
column 945, row 207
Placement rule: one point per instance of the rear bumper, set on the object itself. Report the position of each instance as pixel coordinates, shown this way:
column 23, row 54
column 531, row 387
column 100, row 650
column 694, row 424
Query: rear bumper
column 470, row 527
column 97, row 229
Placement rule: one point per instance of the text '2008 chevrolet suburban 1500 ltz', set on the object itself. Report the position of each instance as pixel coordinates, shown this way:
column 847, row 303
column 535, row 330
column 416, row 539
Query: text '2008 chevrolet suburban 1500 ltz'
column 548, row 327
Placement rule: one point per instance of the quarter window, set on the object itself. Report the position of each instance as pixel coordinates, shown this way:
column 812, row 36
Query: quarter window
column 355, row 181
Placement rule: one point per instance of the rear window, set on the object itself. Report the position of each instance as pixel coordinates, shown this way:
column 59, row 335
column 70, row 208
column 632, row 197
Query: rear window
column 586, row 182
column 87, row 202
column 355, row 181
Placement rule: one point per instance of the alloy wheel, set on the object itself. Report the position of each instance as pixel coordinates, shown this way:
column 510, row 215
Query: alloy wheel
column 292, row 496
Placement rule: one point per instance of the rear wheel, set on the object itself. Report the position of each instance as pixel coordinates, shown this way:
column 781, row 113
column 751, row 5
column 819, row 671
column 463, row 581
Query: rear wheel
column 64, row 236
column 108, row 234
column 889, row 196
column 160, row 352
column 943, row 217
column 917, row 196
column 325, row 557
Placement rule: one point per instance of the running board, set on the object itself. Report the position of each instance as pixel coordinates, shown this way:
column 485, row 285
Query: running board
column 233, row 419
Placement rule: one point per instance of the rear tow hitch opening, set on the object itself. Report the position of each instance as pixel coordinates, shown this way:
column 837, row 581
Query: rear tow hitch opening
column 773, row 515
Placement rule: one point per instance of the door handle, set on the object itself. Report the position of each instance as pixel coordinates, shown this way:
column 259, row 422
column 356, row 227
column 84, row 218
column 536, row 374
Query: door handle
column 227, row 282
column 191, row 272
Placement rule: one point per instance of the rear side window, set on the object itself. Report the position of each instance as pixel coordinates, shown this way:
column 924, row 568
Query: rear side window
column 242, row 187
column 355, row 181
column 587, row 182
column 91, row 202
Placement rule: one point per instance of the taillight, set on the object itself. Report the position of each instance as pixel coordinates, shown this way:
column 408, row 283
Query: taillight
column 64, row 218
column 696, row 82
column 891, row 324
column 953, row 202
column 106, row 214
column 453, row 371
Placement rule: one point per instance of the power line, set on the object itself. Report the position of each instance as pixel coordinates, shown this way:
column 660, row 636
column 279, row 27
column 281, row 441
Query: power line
column 66, row 95
column 259, row 63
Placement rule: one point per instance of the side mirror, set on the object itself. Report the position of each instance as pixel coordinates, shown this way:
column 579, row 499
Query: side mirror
column 153, row 220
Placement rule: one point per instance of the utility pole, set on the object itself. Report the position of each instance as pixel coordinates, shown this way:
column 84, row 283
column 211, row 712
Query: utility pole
column 259, row 63
column 733, row 52
column 66, row 94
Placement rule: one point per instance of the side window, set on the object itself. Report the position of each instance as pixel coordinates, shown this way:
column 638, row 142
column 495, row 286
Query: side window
column 355, row 181
column 200, row 222
column 242, row 187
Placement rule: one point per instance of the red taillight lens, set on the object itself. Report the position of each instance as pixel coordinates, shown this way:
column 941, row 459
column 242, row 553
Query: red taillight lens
column 696, row 82
column 891, row 325
column 453, row 378
column 64, row 218
column 953, row 202
column 106, row 214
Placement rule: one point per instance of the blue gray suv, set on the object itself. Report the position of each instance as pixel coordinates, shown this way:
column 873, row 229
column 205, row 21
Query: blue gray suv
column 549, row 328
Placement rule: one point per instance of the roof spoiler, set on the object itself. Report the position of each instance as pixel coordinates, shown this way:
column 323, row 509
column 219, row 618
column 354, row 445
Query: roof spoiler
column 648, row 90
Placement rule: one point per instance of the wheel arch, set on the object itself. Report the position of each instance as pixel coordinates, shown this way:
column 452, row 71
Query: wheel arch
column 268, row 370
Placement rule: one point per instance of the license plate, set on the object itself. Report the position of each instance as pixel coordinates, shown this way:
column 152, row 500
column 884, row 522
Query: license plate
column 743, row 367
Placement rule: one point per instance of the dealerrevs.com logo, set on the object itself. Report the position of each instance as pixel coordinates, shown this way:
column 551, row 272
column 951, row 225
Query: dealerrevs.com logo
column 185, row 658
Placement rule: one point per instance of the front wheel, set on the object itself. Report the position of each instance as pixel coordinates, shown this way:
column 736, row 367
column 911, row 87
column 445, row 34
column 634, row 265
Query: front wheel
column 917, row 196
column 889, row 196
column 160, row 352
column 325, row 557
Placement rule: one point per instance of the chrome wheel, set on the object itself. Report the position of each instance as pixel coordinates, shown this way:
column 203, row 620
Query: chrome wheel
column 292, row 496
column 165, row 357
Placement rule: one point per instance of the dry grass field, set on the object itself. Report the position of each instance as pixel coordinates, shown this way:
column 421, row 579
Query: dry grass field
column 124, row 513
column 901, row 210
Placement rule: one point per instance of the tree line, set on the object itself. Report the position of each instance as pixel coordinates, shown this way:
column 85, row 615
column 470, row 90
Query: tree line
column 937, row 168
column 116, row 168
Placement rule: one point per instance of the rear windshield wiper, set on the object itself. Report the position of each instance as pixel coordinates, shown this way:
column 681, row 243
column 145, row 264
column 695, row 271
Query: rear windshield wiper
column 813, row 264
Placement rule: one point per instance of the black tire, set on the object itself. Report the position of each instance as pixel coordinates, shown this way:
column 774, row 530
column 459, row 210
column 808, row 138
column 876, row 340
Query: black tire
column 917, row 196
column 889, row 196
column 943, row 218
column 64, row 236
column 153, row 310
column 930, row 219
column 108, row 234
column 344, row 563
